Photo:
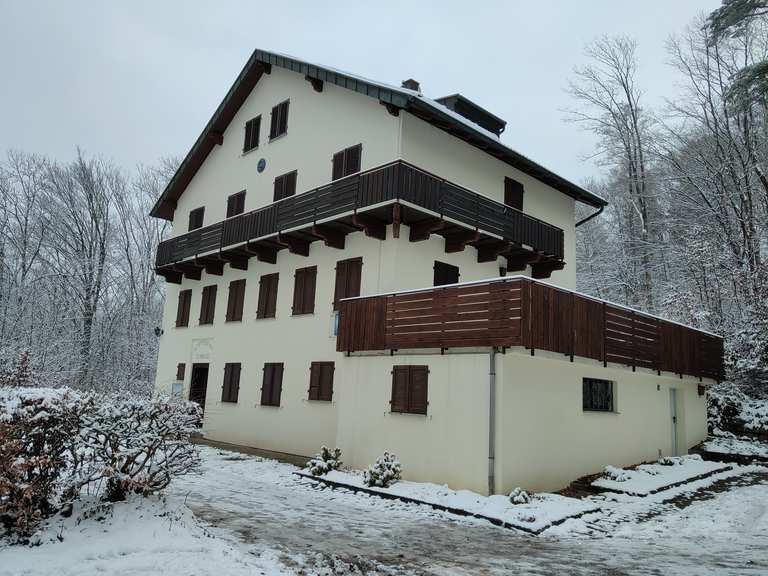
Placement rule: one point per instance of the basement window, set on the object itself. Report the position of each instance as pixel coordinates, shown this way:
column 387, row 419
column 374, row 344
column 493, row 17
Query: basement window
column 597, row 395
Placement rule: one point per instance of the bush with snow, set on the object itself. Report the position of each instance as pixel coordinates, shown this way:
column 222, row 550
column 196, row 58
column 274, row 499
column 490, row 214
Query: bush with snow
column 616, row 474
column 679, row 460
column 383, row 472
column 54, row 443
column 519, row 496
column 325, row 461
column 731, row 410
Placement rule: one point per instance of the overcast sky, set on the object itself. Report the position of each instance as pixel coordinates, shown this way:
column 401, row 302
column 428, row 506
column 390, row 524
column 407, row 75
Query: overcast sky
column 138, row 80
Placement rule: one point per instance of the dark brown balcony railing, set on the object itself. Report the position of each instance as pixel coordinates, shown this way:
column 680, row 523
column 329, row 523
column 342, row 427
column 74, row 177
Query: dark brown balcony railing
column 391, row 183
column 522, row 312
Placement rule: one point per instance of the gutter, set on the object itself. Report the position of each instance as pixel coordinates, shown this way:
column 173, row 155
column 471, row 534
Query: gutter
column 492, row 423
column 588, row 218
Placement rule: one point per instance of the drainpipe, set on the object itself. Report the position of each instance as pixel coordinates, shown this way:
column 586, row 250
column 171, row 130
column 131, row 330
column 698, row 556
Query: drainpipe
column 588, row 218
column 492, row 423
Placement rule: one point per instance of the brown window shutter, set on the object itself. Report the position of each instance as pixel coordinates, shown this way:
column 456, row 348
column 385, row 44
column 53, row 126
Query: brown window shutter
column 445, row 274
column 327, row 370
column 513, row 193
column 277, row 384
column 208, row 305
column 315, row 373
column 352, row 158
column 227, row 383
column 182, row 310
column 310, row 280
column 273, row 120
column 285, row 185
column 272, row 384
column 279, row 120
column 196, row 218
column 298, row 291
column 283, row 124
column 399, row 401
column 266, row 384
column 234, row 382
column 252, row 129
column 181, row 369
column 348, row 274
column 417, row 389
column 235, row 204
column 235, row 301
column 267, row 296
column 338, row 165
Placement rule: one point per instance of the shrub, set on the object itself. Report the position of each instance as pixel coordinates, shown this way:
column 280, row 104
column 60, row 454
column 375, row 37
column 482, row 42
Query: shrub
column 324, row 462
column 383, row 472
column 519, row 496
column 616, row 474
column 55, row 442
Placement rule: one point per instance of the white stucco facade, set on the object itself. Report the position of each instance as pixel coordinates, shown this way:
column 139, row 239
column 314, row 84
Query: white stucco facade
column 544, row 439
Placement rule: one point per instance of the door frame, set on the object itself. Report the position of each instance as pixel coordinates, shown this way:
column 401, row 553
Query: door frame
column 674, row 414
column 197, row 367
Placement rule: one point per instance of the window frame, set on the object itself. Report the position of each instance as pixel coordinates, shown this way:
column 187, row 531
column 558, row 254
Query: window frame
column 588, row 395
column 278, row 120
column 272, row 377
column 316, row 390
column 236, row 206
column 248, row 143
column 193, row 215
column 181, row 371
column 410, row 405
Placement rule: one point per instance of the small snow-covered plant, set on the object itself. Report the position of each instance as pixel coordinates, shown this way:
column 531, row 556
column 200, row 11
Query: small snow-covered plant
column 679, row 460
column 383, row 472
column 616, row 474
column 519, row 496
column 324, row 462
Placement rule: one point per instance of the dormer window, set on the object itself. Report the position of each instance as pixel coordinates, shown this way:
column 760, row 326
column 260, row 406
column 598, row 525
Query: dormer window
column 252, row 128
column 279, row 121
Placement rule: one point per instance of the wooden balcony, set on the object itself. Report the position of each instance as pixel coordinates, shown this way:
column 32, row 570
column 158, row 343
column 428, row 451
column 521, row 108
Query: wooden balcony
column 391, row 194
column 518, row 311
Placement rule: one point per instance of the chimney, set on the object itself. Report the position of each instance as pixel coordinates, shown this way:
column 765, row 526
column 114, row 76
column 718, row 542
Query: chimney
column 411, row 84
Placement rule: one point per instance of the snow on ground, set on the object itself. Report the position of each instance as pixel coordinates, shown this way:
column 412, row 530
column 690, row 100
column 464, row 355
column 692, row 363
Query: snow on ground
column 254, row 516
column 540, row 512
column 147, row 536
column 732, row 444
column 648, row 478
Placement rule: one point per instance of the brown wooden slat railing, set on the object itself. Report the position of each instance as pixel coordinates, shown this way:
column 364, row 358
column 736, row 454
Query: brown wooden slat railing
column 397, row 181
column 523, row 312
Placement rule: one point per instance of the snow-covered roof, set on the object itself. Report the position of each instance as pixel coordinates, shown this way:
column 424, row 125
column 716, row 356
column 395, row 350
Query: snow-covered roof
column 402, row 98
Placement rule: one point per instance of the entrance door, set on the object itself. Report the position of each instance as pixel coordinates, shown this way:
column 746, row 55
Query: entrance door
column 673, row 412
column 198, row 384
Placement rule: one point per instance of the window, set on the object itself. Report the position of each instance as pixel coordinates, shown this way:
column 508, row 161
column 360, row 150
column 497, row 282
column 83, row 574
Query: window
column 196, row 218
column 279, row 121
column 267, row 296
column 445, row 274
column 597, row 395
column 321, row 381
column 347, row 162
column 304, row 290
column 272, row 386
column 231, row 388
column 252, row 128
column 236, row 204
column 347, row 279
column 285, row 186
column 181, row 369
column 409, row 389
column 208, row 305
column 235, row 301
column 182, row 311
column 513, row 193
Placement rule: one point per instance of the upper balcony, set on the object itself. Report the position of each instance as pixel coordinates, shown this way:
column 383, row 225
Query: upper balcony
column 394, row 193
column 518, row 311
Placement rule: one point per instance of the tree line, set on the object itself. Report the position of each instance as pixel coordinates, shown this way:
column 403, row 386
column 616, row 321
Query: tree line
column 686, row 232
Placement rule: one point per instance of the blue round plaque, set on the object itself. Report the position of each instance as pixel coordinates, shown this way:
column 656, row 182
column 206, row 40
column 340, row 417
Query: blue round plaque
column 261, row 165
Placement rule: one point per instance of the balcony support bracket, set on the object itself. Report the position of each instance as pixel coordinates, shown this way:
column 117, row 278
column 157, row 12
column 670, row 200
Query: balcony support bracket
column 457, row 242
column 423, row 229
column 295, row 245
column 330, row 236
column 372, row 227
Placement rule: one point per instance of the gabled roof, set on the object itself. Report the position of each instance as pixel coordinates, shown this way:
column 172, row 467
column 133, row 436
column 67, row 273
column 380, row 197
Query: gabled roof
column 412, row 101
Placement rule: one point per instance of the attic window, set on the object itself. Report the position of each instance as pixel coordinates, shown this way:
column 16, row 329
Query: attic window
column 252, row 128
column 279, row 120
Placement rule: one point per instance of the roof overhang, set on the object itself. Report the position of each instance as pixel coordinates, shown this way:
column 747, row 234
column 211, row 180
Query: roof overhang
column 440, row 116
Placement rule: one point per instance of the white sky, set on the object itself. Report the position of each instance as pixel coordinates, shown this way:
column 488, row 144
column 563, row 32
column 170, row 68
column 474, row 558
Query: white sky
column 137, row 80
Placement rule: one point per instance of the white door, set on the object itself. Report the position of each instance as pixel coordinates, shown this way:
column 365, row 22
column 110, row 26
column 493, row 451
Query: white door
column 673, row 413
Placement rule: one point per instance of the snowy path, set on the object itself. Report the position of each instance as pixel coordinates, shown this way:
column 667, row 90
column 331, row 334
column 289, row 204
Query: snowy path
column 260, row 506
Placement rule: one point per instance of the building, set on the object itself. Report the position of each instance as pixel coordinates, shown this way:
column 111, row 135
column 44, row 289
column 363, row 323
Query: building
column 312, row 220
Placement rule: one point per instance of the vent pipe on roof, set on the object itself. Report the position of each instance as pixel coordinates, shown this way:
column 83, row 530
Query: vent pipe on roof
column 411, row 84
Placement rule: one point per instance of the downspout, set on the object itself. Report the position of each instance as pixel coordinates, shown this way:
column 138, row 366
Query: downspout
column 492, row 423
column 593, row 215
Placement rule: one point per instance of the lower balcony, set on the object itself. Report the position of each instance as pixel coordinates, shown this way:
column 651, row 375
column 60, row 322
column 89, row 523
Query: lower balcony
column 393, row 194
column 518, row 311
